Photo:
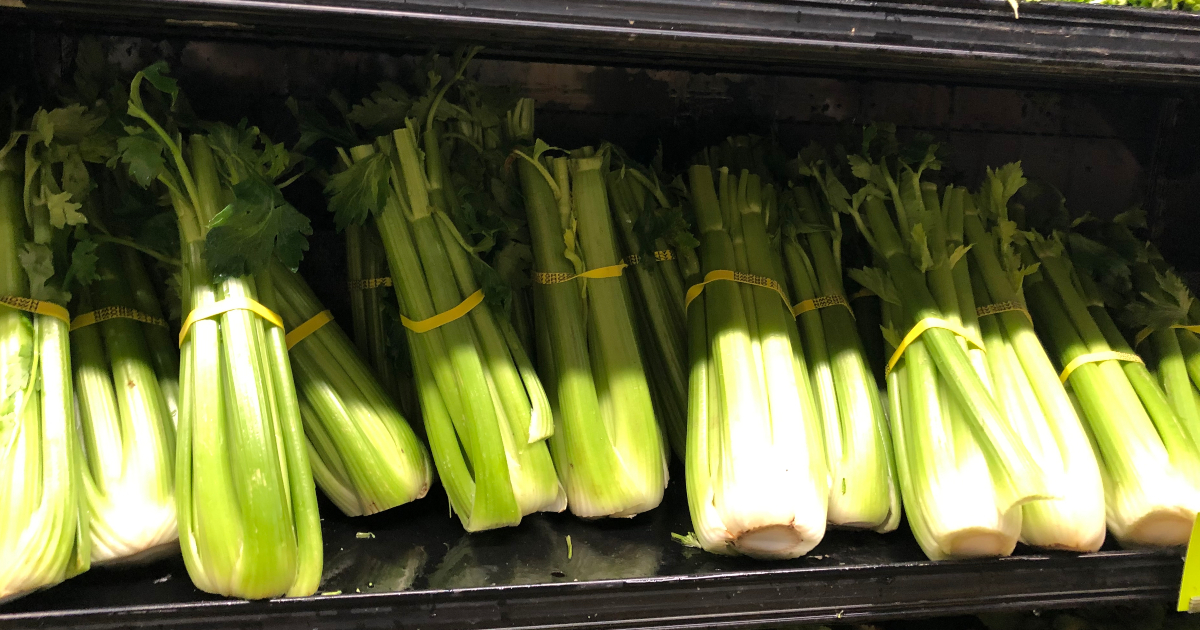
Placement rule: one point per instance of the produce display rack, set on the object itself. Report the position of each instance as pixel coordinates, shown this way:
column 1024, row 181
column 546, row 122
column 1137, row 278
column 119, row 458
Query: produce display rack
column 414, row 567
column 1051, row 42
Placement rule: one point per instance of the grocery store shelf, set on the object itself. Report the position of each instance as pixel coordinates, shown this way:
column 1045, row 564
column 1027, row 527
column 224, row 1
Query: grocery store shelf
column 419, row 570
column 975, row 40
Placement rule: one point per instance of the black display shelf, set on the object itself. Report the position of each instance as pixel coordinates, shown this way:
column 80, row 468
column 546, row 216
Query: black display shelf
column 977, row 40
column 414, row 567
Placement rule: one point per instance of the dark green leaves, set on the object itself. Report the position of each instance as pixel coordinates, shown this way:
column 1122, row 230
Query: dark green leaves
column 143, row 155
column 259, row 223
column 359, row 190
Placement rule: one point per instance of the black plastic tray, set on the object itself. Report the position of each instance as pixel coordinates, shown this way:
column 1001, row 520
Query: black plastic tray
column 414, row 567
column 961, row 39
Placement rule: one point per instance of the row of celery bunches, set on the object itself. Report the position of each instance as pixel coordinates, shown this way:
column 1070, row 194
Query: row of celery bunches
column 821, row 337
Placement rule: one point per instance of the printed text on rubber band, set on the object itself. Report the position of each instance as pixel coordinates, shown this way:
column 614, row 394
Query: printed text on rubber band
column 920, row 329
column 821, row 302
column 661, row 255
column 1002, row 307
column 115, row 312
column 735, row 276
column 301, row 332
column 224, row 306
column 1096, row 357
column 441, row 319
column 558, row 277
column 38, row 307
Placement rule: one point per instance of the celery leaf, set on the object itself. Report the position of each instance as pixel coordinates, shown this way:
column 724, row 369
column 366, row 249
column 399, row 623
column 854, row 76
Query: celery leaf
column 359, row 190
column 142, row 153
column 258, row 223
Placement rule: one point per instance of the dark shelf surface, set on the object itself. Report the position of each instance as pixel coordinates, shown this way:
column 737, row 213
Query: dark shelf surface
column 414, row 567
column 976, row 40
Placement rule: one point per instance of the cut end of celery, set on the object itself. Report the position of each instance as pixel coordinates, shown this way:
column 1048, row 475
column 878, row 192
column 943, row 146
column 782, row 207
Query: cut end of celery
column 774, row 542
column 1158, row 529
column 979, row 543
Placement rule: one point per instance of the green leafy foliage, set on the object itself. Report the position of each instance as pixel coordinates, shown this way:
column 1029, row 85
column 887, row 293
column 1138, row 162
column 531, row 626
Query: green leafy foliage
column 142, row 154
column 258, row 223
column 359, row 190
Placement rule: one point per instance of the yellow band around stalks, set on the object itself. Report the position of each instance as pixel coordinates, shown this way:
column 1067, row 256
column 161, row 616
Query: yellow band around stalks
column 920, row 329
column 369, row 283
column 115, row 312
column 821, row 302
column 1145, row 332
column 1096, row 357
column 314, row 323
column 734, row 276
column 441, row 319
column 224, row 306
column 38, row 307
column 558, row 277
column 1003, row 307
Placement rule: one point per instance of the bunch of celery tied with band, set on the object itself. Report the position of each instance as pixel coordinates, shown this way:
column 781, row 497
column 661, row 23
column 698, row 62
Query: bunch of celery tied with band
column 485, row 411
column 248, row 521
column 607, row 445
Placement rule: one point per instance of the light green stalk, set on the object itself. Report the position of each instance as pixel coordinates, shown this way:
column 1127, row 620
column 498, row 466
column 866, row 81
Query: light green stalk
column 753, row 425
column 248, row 519
column 364, row 455
column 658, row 293
column 483, row 413
column 607, row 445
column 127, row 427
column 1149, row 500
column 1014, row 471
column 44, row 535
column 857, row 445
column 1039, row 408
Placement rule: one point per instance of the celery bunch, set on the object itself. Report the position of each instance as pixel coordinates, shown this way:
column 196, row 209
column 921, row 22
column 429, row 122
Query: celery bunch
column 655, row 238
column 486, row 414
column 963, row 466
column 858, row 446
column 248, row 522
column 364, row 455
column 1137, row 418
column 757, row 478
column 125, row 415
column 44, row 535
column 1025, row 381
column 607, row 445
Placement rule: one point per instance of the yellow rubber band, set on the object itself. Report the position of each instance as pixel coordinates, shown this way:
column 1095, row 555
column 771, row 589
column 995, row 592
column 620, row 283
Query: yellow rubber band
column 441, row 319
column 557, row 277
column 1145, row 332
column 861, row 293
column 1096, row 357
column 734, row 276
column 115, row 312
column 38, row 307
column 314, row 323
column 224, row 306
column 919, row 329
column 1003, row 307
column 821, row 302
column 369, row 283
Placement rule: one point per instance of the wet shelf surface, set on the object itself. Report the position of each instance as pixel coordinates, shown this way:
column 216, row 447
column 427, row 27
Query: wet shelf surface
column 414, row 567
